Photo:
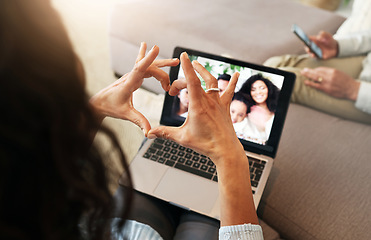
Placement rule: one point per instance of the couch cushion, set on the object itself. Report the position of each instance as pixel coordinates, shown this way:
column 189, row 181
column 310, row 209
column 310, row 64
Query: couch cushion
column 247, row 30
column 320, row 183
column 268, row 232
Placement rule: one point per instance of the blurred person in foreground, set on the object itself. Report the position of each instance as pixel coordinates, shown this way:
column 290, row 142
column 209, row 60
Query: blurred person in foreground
column 54, row 178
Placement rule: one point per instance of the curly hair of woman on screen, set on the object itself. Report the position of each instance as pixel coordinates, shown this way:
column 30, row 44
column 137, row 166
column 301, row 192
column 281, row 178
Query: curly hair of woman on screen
column 263, row 97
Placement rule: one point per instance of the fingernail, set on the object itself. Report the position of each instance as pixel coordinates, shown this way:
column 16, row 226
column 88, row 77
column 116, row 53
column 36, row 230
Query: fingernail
column 166, row 88
column 145, row 132
column 153, row 47
column 185, row 54
column 151, row 136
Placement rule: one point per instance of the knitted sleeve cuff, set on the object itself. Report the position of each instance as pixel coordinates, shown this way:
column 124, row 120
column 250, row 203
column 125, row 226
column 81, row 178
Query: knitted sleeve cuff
column 243, row 232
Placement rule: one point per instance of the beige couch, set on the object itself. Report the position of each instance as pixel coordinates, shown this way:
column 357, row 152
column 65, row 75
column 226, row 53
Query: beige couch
column 319, row 187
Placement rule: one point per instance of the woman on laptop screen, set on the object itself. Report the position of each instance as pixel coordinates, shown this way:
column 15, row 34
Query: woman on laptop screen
column 262, row 95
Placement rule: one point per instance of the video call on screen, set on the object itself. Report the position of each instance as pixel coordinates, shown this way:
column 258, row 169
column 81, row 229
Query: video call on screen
column 255, row 99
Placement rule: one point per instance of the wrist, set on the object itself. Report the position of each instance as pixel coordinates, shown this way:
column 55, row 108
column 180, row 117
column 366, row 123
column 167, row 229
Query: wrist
column 232, row 166
column 231, row 157
column 94, row 103
column 228, row 153
column 353, row 90
column 336, row 49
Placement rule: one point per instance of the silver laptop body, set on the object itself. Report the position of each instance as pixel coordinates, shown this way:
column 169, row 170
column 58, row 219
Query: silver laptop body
column 173, row 173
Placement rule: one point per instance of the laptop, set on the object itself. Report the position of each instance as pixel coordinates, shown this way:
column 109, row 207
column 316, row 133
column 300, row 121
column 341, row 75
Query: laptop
column 176, row 174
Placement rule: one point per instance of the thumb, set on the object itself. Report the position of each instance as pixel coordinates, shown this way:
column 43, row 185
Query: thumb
column 138, row 119
column 164, row 132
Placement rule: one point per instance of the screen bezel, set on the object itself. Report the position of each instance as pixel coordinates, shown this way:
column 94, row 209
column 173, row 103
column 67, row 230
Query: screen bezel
column 270, row 149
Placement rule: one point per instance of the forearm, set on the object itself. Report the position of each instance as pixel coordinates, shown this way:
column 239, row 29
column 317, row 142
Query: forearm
column 98, row 116
column 94, row 103
column 353, row 90
column 365, row 74
column 363, row 101
column 355, row 44
column 237, row 204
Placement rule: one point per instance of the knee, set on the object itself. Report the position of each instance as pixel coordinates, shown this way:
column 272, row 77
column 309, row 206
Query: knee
column 274, row 62
column 295, row 61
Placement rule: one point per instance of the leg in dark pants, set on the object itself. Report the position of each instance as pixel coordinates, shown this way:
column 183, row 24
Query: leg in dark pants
column 169, row 221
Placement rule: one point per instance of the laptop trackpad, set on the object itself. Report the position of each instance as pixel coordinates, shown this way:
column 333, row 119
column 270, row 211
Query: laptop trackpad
column 188, row 190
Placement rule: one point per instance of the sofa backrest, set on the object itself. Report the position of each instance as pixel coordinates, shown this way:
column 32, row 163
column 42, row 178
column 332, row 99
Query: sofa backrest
column 246, row 30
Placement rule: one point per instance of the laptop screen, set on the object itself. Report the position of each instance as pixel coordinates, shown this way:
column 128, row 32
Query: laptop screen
column 258, row 108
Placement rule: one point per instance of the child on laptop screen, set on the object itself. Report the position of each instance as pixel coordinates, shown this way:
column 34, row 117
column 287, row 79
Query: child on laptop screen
column 239, row 109
column 242, row 124
column 180, row 104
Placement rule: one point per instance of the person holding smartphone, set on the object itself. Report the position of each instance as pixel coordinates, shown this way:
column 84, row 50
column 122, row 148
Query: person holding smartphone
column 340, row 82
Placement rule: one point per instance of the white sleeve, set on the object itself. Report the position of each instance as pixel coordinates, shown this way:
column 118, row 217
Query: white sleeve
column 357, row 44
column 133, row 230
column 365, row 74
column 241, row 232
column 363, row 101
column 354, row 43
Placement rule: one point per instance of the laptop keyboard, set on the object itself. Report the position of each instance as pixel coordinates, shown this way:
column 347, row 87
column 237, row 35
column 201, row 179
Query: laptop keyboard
column 174, row 155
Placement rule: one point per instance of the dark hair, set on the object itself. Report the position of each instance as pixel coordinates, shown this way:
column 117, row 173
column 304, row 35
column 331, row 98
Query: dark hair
column 242, row 98
column 224, row 76
column 176, row 105
column 273, row 91
column 51, row 174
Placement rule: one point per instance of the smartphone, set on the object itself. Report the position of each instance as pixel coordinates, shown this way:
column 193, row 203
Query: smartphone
column 302, row 36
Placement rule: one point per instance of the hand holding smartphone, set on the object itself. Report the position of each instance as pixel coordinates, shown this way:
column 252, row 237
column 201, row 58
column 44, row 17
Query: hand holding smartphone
column 302, row 36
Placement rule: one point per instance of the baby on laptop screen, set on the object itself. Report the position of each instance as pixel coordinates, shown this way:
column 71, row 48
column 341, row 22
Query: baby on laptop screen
column 254, row 103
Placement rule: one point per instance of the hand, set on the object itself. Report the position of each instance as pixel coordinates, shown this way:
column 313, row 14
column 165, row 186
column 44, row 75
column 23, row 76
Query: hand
column 116, row 99
column 327, row 43
column 208, row 128
column 333, row 82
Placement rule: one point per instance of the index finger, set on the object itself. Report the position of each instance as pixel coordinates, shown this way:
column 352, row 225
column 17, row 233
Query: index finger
column 210, row 81
column 166, row 62
column 135, row 77
column 146, row 61
column 310, row 73
column 227, row 95
column 312, row 84
column 193, row 82
column 177, row 85
column 142, row 51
